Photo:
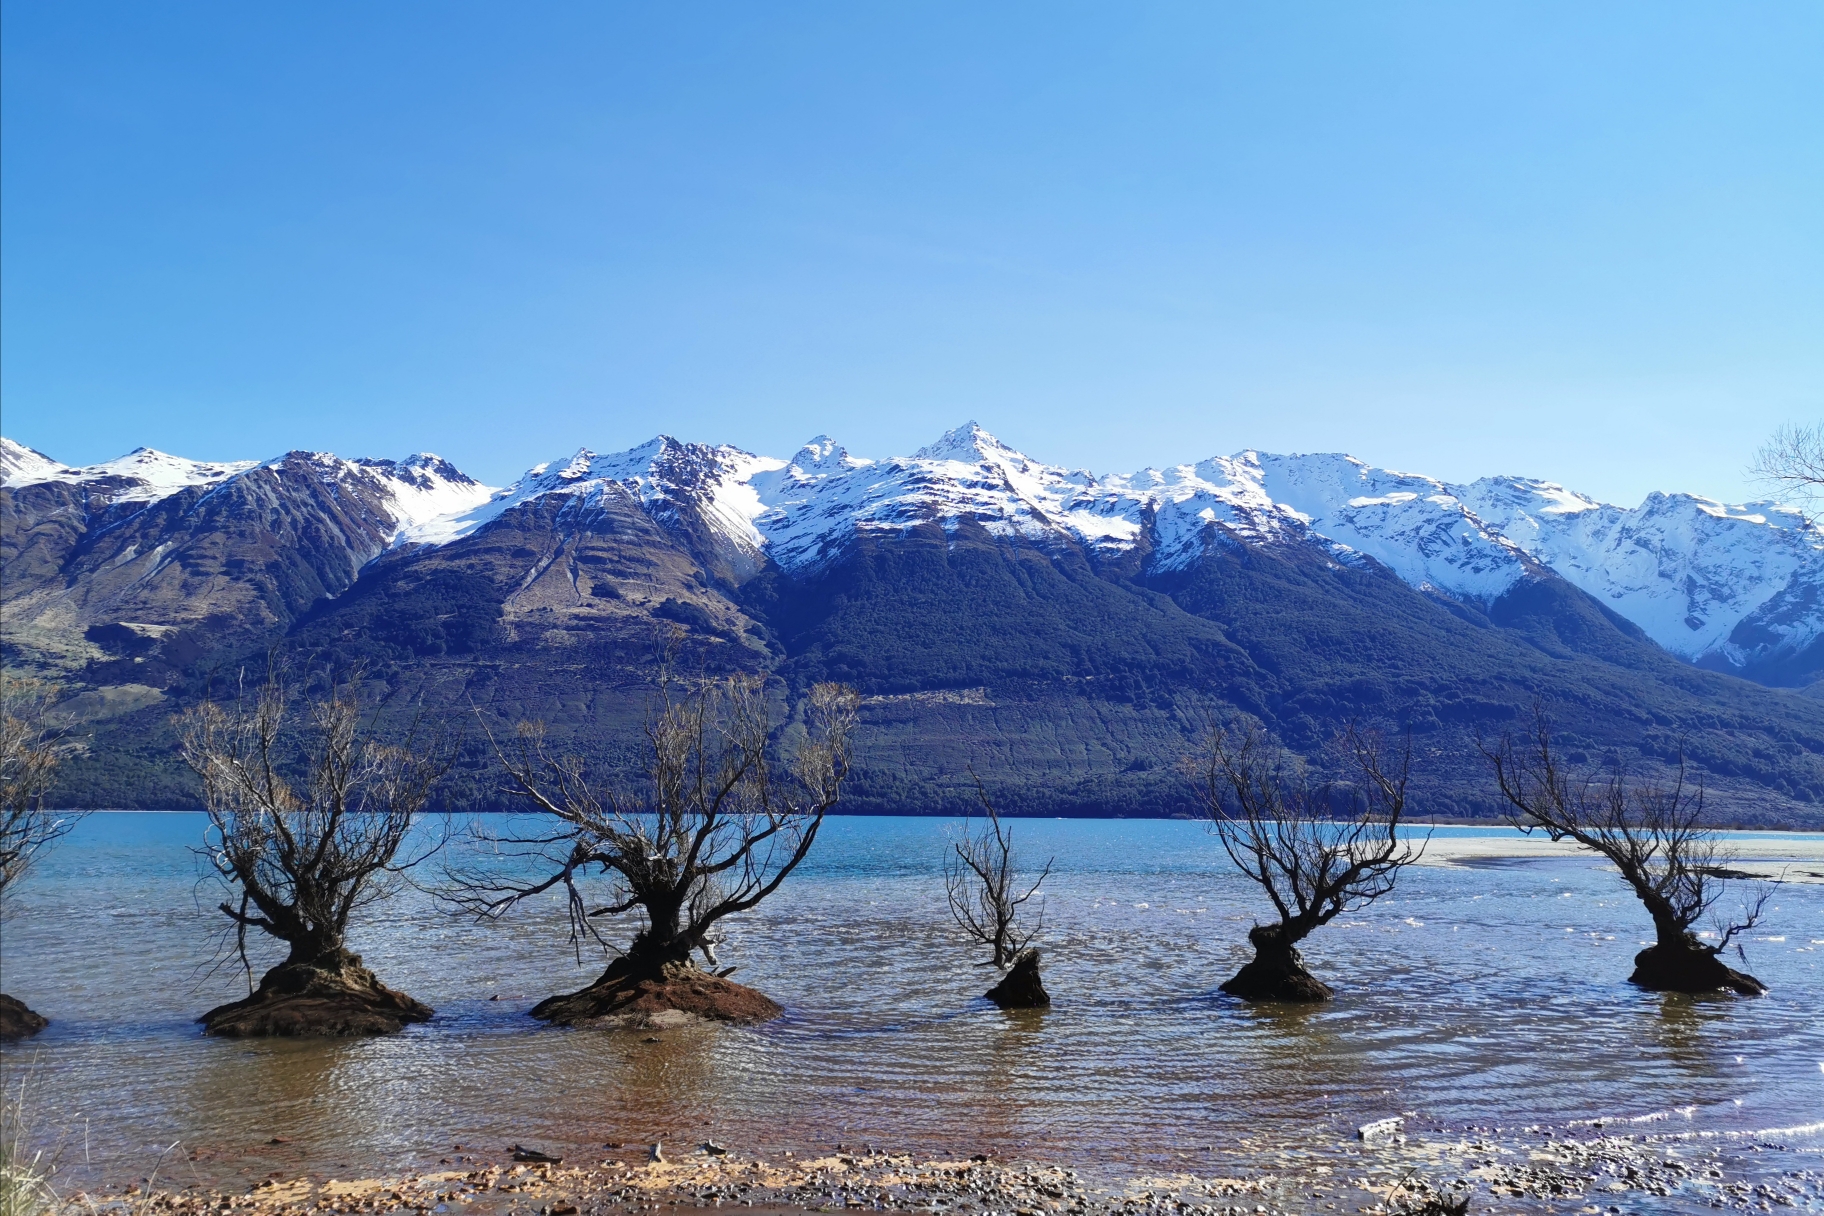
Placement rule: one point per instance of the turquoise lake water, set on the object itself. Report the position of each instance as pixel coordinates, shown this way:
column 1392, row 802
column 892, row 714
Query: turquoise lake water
column 1476, row 996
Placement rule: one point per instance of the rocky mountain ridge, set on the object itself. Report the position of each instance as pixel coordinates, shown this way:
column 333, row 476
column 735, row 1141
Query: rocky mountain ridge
column 1733, row 588
column 1078, row 627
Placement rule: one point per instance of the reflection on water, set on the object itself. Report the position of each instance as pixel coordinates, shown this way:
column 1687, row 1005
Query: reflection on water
column 1484, row 996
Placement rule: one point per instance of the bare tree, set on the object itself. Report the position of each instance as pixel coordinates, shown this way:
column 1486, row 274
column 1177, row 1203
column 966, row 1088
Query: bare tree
column 1653, row 833
column 1317, row 850
column 715, row 828
column 983, row 883
column 29, row 757
column 310, row 818
column 1792, row 462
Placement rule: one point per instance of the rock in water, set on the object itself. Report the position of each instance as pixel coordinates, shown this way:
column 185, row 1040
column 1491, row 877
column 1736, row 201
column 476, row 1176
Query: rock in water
column 337, row 999
column 17, row 1021
column 625, row 998
column 1021, row 987
column 1672, row 969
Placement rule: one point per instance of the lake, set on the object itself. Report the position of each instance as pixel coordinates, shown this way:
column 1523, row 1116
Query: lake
column 1487, row 992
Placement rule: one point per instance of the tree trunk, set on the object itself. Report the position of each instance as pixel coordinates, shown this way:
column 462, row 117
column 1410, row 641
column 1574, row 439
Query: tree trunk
column 1277, row 973
column 17, row 1021
column 1021, row 988
column 1678, row 962
column 320, row 990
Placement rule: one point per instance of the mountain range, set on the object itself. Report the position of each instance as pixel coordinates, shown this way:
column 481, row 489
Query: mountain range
column 1062, row 633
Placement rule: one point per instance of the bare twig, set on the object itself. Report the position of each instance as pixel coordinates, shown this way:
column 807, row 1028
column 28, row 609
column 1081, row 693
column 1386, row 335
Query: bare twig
column 983, row 882
column 308, row 823
column 715, row 828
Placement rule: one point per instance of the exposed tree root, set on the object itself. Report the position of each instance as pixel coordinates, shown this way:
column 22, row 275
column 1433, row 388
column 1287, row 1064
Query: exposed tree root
column 336, row 999
column 1662, row 968
column 1276, row 973
column 18, row 1022
column 635, row 996
column 1021, row 987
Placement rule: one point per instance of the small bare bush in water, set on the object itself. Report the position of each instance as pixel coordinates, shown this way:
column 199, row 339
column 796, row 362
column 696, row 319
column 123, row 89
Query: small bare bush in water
column 1317, row 850
column 984, row 885
column 1653, row 833
column 30, row 752
column 715, row 828
column 309, row 820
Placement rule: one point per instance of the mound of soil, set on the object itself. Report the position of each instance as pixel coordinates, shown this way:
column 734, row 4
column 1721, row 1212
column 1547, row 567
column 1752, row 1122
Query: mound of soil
column 1662, row 968
column 1262, row 981
column 629, row 998
column 18, row 1022
column 338, row 999
column 1021, row 987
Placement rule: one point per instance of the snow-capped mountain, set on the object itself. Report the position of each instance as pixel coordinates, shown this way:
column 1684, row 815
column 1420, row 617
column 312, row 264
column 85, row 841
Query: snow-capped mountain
column 413, row 491
column 1730, row 587
column 1712, row 583
column 142, row 475
column 1050, row 628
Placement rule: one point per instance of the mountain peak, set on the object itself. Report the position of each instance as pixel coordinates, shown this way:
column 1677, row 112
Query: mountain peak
column 20, row 465
column 821, row 454
column 968, row 443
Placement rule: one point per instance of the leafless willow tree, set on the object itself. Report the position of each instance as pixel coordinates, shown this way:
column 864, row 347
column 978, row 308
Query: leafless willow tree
column 983, row 882
column 1792, row 462
column 1317, row 849
column 29, row 757
column 311, row 820
column 714, row 829
column 1653, row 833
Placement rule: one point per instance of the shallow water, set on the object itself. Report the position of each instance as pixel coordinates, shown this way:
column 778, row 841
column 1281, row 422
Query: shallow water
column 1478, row 995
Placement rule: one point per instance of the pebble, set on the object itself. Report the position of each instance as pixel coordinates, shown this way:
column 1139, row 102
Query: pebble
column 1386, row 1176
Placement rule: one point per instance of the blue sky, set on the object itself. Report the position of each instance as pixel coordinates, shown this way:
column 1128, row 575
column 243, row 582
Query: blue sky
column 1582, row 242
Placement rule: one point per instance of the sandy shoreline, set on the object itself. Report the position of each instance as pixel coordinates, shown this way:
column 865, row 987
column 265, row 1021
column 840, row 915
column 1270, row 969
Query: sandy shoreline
column 1532, row 1169
column 1800, row 858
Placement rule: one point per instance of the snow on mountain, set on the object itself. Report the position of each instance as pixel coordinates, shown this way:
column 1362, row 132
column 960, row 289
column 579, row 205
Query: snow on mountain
column 1723, row 585
column 148, row 474
column 414, row 491
column 1690, row 572
column 425, row 486
column 20, row 465
column 1687, row 570
column 662, row 474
